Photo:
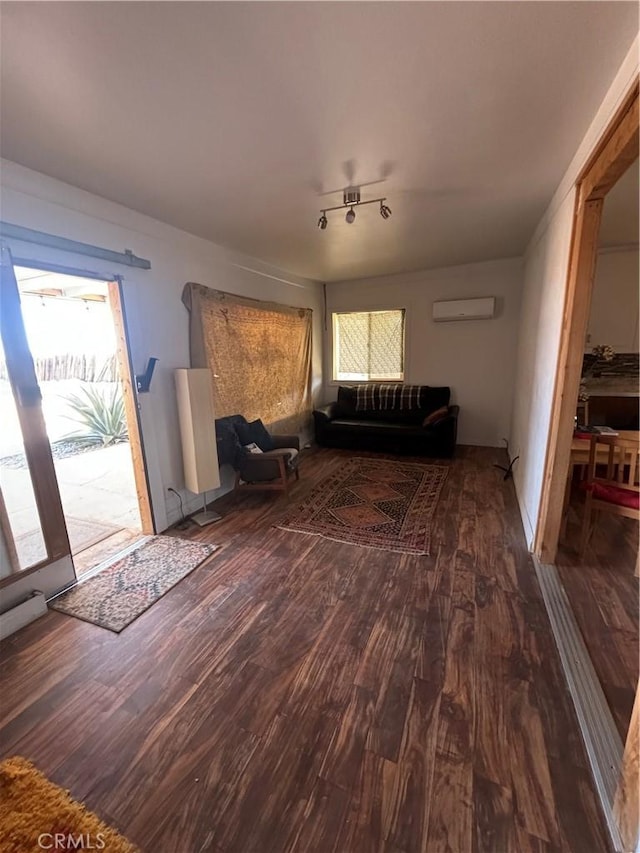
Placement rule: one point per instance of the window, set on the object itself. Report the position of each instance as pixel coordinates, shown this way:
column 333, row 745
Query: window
column 368, row 345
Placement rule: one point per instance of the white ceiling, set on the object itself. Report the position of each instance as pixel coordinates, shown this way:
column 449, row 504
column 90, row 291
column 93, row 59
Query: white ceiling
column 230, row 120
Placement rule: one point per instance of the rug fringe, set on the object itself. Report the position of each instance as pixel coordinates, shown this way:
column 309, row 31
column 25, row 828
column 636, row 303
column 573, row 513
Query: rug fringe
column 354, row 544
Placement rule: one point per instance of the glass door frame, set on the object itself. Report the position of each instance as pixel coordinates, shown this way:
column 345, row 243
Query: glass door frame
column 28, row 400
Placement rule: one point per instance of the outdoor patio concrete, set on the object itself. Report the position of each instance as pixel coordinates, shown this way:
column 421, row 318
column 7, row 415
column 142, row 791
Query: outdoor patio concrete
column 97, row 486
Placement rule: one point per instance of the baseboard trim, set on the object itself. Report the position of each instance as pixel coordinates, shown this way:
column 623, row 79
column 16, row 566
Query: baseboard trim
column 49, row 579
column 32, row 608
column 601, row 739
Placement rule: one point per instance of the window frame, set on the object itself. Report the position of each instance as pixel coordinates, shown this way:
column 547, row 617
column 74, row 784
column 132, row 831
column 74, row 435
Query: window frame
column 334, row 349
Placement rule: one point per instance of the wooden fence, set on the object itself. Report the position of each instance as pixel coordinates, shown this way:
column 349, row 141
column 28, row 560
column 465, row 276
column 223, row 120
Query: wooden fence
column 72, row 366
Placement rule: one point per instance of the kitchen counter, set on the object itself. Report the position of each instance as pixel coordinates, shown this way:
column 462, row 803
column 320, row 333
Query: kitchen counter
column 613, row 386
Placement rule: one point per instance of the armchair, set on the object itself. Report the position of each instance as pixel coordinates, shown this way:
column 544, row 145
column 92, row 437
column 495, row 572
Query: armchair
column 272, row 469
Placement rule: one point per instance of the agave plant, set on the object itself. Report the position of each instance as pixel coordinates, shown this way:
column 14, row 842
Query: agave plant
column 101, row 415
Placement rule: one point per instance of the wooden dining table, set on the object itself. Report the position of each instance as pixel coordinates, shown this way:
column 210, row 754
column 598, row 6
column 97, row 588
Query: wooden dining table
column 580, row 456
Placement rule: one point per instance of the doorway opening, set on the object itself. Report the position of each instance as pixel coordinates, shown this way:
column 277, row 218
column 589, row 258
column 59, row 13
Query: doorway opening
column 590, row 582
column 75, row 331
column 599, row 576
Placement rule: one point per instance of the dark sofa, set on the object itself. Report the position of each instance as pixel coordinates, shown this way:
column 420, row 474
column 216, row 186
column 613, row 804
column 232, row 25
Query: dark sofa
column 390, row 418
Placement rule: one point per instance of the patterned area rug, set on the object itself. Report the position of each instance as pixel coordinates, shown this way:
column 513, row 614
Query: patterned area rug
column 120, row 593
column 379, row 503
column 35, row 814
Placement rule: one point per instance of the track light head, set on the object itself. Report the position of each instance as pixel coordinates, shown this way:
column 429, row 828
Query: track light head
column 351, row 215
column 323, row 222
column 385, row 212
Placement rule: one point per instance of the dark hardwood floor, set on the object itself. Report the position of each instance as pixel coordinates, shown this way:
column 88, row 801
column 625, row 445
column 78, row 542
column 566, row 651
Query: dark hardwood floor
column 603, row 592
column 297, row 694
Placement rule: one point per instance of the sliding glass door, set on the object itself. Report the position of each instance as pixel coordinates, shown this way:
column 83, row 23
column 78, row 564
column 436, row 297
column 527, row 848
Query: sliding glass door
column 33, row 535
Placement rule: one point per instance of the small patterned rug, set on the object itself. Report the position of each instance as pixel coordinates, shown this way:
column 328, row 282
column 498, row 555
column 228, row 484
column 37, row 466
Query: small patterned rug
column 35, row 814
column 380, row 503
column 121, row 592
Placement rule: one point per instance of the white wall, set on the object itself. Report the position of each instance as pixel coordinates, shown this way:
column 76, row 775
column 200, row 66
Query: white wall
column 538, row 341
column 614, row 304
column 156, row 318
column 545, row 278
column 475, row 357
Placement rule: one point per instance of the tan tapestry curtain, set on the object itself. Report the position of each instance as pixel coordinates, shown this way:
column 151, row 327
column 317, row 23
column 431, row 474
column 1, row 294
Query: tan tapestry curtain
column 258, row 352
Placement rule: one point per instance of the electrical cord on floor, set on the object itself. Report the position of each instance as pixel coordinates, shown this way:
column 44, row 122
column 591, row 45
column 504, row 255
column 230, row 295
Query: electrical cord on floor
column 508, row 472
column 183, row 523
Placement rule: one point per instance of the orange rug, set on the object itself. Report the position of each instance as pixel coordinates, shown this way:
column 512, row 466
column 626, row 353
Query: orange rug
column 37, row 815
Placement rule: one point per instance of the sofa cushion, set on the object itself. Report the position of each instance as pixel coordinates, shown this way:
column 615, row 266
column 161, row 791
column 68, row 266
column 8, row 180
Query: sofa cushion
column 373, row 427
column 365, row 423
column 389, row 397
column 411, row 403
column 345, row 407
column 435, row 416
column 407, row 417
column 612, row 494
column 346, row 401
column 436, row 397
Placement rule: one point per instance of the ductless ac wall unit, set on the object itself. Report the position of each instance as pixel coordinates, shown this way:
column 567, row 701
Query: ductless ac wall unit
column 464, row 309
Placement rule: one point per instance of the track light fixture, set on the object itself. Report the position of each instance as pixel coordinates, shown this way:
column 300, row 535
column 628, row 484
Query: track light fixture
column 351, row 199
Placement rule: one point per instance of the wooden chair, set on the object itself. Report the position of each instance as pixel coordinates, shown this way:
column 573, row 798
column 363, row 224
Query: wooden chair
column 272, row 469
column 582, row 412
column 616, row 493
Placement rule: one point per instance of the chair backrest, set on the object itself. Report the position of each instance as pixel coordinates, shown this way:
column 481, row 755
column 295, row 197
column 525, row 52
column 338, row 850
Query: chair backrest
column 229, row 446
column 621, row 459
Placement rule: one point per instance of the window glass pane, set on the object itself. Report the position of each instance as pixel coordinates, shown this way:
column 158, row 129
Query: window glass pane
column 21, row 541
column 369, row 345
column 352, row 346
column 386, row 344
